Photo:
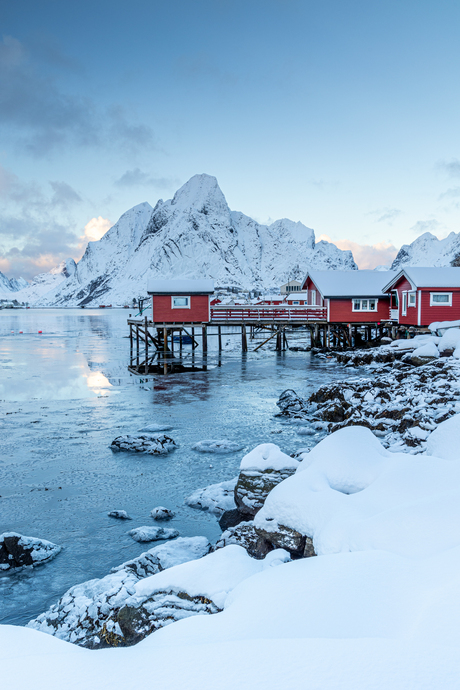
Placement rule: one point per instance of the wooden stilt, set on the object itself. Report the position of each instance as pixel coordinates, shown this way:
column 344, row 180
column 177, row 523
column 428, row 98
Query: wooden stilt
column 165, row 349
column 180, row 343
column 146, row 334
column 130, row 345
column 219, row 334
column 244, row 339
column 192, row 330
column 204, row 332
column 137, row 346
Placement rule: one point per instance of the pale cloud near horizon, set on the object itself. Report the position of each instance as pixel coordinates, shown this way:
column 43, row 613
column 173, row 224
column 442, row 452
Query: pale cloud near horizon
column 367, row 256
column 96, row 228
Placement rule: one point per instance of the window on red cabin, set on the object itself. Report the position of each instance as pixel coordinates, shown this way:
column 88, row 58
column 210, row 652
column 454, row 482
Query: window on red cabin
column 180, row 302
column 440, row 299
column 412, row 299
column 364, row 305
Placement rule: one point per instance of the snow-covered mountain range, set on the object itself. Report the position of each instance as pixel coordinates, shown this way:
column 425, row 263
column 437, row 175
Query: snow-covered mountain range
column 427, row 250
column 193, row 235
column 8, row 286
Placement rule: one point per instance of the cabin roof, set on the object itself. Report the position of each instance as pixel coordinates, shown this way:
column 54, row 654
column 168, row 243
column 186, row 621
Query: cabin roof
column 350, row 283
column 180, row 286
column 419, row 277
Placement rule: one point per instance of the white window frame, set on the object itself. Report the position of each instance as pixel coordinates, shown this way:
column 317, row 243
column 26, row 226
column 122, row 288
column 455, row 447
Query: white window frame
column 404, row 304
column 409, row 296
column 367, row 300
column 440, row 304
column 174, row 306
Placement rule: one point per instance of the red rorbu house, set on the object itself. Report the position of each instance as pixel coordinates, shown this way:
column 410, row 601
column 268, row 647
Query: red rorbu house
column 420, row 296
column 349, row 296
column 180, row 301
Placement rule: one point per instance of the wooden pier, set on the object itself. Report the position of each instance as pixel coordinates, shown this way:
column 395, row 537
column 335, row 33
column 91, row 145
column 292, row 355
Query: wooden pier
column 158, row 348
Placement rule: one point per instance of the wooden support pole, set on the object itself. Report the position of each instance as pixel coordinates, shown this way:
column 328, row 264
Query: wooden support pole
column 278, row 339
column 180, row 343
column 204, row 332
column 137, row 346
column 193, row 344
column 146, row 333
column 244, row 340
column 316, row 339
column 219, row 333
column 165, row 349
column 130, row 344
column 328, row 335
column 285, row 341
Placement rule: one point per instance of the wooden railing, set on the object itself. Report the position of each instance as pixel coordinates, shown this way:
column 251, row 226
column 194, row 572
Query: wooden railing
column 267, row 313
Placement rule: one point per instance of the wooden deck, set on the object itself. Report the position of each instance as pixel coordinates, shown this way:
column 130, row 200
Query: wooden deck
column 280, row 314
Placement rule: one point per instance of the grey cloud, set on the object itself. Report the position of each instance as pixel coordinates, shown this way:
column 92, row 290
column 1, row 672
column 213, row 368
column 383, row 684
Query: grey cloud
column 422, row 226
column 45, row 116
column 139, row 178
column 452, row 167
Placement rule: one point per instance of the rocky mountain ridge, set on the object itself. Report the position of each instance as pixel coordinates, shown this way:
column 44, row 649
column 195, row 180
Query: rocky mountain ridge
column 192, row 235
column 428, row 250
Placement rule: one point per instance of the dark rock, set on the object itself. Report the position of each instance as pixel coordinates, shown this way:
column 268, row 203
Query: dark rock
column 253, row 487
column 289, row 539
column 17, row 551
column 246, row 536
column 231, row 518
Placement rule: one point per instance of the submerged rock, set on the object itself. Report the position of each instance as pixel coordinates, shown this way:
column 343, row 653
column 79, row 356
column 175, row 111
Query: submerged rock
column 223, row 446
column 87, row 613
column 152, row 445
column 17, row 551
column 144, row 534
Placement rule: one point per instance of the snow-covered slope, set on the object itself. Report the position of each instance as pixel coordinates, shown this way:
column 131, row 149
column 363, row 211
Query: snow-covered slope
column 427, row 250
column 193, row 235
column 8, row 286
column 46, row 282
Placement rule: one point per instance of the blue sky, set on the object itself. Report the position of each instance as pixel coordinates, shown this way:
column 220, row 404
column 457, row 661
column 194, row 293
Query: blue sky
column 342, row 114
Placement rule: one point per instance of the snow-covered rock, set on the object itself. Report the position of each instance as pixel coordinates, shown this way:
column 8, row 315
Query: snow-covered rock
column 444, row 441
column 152, row 445
column 17, row 551
column 193, row 235
column 146, row 533
column 260, row 470
column 161, row 513
column 427, row 250
column 217, row 498
column 222, row 446
column 119, row 514
column 87, row 613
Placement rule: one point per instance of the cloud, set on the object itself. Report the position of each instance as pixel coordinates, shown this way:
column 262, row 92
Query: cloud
column 44, row 115
column 64, row 194
column 95, row 229
column 452, row 167
column 387, row 215
column 422, row 226
column 139, row 178
column 367, row 255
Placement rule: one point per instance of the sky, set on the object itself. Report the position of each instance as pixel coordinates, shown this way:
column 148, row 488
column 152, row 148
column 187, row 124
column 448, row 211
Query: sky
column 341, row 114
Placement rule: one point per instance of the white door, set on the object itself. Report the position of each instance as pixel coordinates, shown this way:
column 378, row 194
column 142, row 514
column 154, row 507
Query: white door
column 404, row 303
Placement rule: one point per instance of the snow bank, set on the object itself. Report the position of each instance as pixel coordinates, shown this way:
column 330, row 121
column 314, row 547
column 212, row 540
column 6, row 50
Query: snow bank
column 217, row 498
column 429, row 349
column 444, row 442
column 350, row 494
column 267, row 456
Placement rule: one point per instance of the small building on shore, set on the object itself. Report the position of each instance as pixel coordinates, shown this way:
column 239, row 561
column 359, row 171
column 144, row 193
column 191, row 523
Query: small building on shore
column 180, row 301
column 292, row 286
column 349, row 296
column 419, row 296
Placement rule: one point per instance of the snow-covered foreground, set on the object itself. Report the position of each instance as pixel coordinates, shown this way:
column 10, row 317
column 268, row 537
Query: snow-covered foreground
column 378, row 608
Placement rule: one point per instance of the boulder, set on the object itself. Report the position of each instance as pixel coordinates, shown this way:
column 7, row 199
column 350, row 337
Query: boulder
column 246, row 536
column 161, row 513
column 17, row 551
column 260, row 471
column 297, row 544
column 290, row 403
column 119, row 515
column 87, row 613
column 144, row 534
column 217, row 498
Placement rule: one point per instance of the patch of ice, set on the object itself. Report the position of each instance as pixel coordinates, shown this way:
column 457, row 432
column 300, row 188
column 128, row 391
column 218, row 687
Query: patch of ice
column 223, row 446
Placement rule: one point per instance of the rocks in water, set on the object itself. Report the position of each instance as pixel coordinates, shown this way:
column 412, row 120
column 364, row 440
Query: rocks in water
column 223, row 446
column 87, row 613
column 231, row 518
column 119, row 514
column 261, row 470
column 152, row 445
column 217, row 498
column 391, row 403
column 17, row 551
column 145, row 534
column 161, row 513
column 290, row 403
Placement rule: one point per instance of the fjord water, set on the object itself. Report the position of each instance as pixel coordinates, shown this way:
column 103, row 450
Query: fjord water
column 66, row 393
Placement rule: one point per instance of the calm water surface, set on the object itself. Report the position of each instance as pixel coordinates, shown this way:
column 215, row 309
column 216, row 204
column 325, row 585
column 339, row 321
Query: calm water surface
column 66, row 394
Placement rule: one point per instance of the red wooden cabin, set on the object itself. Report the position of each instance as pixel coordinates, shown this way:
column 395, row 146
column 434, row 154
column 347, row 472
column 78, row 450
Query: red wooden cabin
column 420, row 296
column 180, row 301
column 350, row 296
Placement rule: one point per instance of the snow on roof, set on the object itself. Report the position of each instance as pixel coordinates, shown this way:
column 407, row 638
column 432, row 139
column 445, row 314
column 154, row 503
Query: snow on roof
column 428, row 276
column 350, row 283
column 180, row 286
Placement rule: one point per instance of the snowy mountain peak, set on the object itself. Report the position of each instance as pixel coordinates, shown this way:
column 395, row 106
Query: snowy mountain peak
column 428, row 250
column 201, row 193
column 66, row 268
column 12, row 285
